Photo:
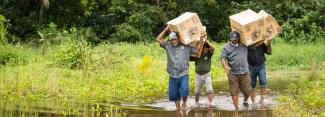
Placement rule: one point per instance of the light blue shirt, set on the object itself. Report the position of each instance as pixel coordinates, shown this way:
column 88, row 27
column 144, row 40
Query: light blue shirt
column 177, row 59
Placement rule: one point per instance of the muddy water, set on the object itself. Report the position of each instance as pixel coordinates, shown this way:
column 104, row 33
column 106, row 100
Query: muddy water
column 221, row 107
column 201, row 113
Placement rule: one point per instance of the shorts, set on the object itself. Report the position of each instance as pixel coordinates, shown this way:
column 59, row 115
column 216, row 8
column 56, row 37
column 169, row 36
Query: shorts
column 203, row 79
column 239, row 82
column 178, row 87
column 260, row 72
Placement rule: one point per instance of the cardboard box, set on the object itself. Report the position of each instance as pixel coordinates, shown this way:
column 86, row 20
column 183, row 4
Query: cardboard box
column 271, row 27
column 189, row 28
column 200, row 49
column 249, row 24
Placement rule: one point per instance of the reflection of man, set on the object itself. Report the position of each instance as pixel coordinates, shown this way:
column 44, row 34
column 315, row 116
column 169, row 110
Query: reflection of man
column 182, row 112
column 234, row 60
column 200, row 113
column 262, row 110
column 235, row 113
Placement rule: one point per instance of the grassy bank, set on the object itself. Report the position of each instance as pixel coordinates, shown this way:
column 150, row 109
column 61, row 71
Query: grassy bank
column 71, row 74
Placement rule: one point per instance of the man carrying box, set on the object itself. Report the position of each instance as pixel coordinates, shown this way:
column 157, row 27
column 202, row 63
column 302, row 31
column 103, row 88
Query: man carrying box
column 202, row 70
column 256, row 60
column 234, row 60
column 178, row 56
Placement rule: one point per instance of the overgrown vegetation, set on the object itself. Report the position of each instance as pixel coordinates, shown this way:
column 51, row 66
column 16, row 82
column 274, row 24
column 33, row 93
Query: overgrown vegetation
column 11, row 56
column 3, row 30
column 78, row 73
column 70, row 53
column 304, row 97
column 142, row 20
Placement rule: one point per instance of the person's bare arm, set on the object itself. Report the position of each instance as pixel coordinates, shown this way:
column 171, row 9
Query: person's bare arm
column 211, row 47
column 268, row 43
column 160, row 37
column 225, row 65
column 259, row 43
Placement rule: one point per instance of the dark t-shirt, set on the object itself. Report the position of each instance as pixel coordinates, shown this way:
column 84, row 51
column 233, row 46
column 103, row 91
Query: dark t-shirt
column 256, row 55
column 203, row 64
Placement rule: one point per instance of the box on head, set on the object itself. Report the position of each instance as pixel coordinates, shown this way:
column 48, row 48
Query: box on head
column 190, row 29
column 254, row 27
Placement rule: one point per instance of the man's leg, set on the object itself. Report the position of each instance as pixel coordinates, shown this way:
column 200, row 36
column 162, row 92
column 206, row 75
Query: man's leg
column 253, row 95
column 173, row 91
column 263, row 82
column 245, row 81
column 253, row 77
column 184, row 101
column 234, row 88
column 209, row 88
column 178, row 104
column 263, row 94
column 210, row 97
column 197, row 92
column 184, row 89
column 235, row 101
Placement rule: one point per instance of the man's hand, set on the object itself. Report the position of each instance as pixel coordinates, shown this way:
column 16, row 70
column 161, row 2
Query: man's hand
column 225, row 65
column 167, row 27
column 227, row 69
column 160, row 37
column 203, row 37
column 268, row 41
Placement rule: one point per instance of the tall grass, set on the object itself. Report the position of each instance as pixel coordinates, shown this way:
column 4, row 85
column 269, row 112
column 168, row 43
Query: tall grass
column 120, row 72
column 294, row 56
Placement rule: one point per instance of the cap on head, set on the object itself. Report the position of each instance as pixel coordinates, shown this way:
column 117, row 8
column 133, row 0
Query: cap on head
column 172, row 35
column 234, row 35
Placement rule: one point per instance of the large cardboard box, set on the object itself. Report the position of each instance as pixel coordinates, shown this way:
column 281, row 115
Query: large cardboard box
column 271, row 27
column 249, row 24
column 189, row 28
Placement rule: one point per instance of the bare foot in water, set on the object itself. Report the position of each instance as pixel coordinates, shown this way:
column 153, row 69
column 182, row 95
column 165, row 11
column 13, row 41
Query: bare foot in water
column 184, row 105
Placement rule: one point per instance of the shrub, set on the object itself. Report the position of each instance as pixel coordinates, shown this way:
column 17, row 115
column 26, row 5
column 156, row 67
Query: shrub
column 76, row 53
column 302, row 30
column 74, row 56
column 126, row 33
column 3, row 30
column 8, row 56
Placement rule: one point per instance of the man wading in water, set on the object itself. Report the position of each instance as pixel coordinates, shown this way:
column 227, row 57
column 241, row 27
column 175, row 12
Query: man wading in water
column 256, row 60
column 178, row 56
column 202, row 70
column 234, row 60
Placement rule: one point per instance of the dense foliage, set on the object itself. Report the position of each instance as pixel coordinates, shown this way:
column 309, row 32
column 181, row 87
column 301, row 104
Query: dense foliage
column 142, row 20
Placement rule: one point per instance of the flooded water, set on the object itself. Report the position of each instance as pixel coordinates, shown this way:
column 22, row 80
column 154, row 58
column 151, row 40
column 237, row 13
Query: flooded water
column 219, row 103
column 222, row 106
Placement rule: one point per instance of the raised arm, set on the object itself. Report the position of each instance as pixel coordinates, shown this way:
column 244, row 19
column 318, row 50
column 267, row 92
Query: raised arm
column 268, row 43
column 259, row 43
column 161, row 36
column 211, row 47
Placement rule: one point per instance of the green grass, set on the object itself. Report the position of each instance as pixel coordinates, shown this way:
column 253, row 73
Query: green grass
column 128, row 73
column 295, row 57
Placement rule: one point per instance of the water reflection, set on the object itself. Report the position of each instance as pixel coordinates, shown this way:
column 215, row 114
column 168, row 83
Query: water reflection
column 220, row 108
column 200, row 113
